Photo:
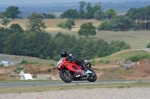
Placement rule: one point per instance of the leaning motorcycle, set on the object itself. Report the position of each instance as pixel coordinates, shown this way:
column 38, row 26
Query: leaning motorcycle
column 70, row 69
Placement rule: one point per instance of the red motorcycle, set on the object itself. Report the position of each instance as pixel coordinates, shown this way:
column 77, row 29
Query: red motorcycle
column 71, row 69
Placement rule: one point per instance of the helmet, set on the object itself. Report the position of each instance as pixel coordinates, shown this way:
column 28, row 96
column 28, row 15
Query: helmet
column 64, row 53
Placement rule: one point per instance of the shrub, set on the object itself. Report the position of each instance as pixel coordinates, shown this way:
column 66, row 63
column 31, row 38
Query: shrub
column 1, row 65
column 148, row 46
column 18, row 69
column 48, row 58
column 93, row 62
column 24, row 62
column 138, row 57
column 101, row 61
column 107, row 62
column 52, row 64
column 135, row 27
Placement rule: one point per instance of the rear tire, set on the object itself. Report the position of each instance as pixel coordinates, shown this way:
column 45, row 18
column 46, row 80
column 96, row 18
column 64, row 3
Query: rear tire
column 65, row 76
column 92, row 77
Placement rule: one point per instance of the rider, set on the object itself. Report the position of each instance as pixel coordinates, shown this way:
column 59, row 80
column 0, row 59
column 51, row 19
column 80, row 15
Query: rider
column 69, row 57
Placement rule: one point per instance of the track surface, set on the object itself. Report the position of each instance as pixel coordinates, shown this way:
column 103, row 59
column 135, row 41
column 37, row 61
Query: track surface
column 24, row 84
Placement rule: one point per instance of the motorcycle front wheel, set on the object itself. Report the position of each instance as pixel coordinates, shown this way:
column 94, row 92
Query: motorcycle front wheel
column 92, row 76
column 65, row 76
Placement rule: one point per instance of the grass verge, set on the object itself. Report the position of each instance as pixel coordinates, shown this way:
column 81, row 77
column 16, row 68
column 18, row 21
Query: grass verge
column 16, row 81
column 71, row 87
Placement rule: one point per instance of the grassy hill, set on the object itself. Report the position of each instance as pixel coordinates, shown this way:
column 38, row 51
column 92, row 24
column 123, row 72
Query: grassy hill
column 30, row 60
column 114, row 57
column 124, row 54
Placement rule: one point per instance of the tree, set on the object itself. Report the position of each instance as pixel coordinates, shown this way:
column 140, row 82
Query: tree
column 16, row 28
column 78, row 47
column 5, row 22
column 50, row 48
column 99, row 15
column 81, row 9
column 100, row 48
column 91, row 10
column 88, row 49
column 62, row 25
column 140, row 16
column 36, row 22
column 70, row 23
column 12, row 12
column 71, row 13
column 132, row 13
column 116, row 45
column 122, row 23
column 4, row 33
column 13, row 44
column 106, row 25
column 87, row 29
column 111, row 13
column 1, row 14
column 90, row 13
column 36, row 43
column 67, row 25
column 48, row 16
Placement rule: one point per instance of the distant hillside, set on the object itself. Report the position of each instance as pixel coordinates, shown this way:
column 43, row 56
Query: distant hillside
column 120, row 7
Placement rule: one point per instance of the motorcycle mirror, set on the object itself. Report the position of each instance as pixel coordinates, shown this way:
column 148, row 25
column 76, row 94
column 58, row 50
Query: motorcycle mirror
column 70, row 54
column 85, row 61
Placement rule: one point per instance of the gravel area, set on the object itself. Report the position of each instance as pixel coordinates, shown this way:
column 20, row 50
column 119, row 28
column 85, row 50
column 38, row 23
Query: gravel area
column 99, row 93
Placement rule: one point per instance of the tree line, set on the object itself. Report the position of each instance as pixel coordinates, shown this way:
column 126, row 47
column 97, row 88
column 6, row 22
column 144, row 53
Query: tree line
column 36, row 42
column 13, row 12
column 89, row 11
column 134, row 19
column 41, row 44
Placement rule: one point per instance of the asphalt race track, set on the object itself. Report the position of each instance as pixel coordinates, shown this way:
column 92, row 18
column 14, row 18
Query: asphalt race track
column 24, row 84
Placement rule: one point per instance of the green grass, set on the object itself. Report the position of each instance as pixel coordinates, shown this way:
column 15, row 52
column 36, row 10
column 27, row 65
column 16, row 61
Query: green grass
column 117, row 71
column 72, row 87
column 106, row 60
column 136, row 39
column 123, row 55
column 16, row 81
column 30, row 60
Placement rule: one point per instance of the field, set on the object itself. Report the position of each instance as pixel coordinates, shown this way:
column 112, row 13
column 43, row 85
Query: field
column 51, row 24
column 136, row 39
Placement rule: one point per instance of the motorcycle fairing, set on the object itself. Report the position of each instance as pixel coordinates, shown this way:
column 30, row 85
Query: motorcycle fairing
column 74, row 68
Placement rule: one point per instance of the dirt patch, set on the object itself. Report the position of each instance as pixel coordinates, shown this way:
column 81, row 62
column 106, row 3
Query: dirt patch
column 105, row 66
column 37, row 69
column 110, row 76
column 141, row 69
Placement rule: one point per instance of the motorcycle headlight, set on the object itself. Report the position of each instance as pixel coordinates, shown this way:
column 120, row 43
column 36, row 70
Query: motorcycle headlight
column 59, row 63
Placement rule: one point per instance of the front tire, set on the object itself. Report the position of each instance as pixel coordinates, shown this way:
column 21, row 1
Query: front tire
column 65, row 76
column 92, row 76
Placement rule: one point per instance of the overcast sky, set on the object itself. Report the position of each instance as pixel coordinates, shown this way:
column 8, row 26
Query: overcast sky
column 16, row 2
column 34, row 1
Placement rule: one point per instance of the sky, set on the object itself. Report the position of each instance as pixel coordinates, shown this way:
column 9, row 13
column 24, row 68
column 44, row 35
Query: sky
column 17, row 2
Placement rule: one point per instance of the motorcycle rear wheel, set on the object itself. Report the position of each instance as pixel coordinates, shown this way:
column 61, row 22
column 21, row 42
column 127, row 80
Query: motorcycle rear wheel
column 92, row 77
column 65, row 76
